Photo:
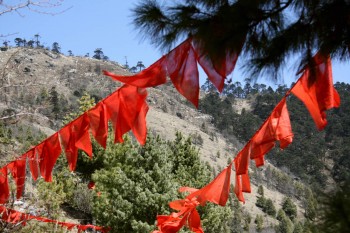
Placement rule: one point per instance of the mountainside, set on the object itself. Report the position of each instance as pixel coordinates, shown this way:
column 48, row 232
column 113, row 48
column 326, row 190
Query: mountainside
column 39, row 88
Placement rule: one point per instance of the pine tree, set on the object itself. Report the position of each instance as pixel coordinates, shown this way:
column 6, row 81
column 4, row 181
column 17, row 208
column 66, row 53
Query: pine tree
column 268, row 34
column 137, row 183
column 56, row 48
column 261, row 190
column 285, row 224
column 269, row 208
column 98, row 54
column 53, row 97
column 259, row 221
column 289, row 208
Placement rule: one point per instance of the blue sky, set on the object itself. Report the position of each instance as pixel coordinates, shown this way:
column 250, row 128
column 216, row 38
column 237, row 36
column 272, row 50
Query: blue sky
column 105, row 24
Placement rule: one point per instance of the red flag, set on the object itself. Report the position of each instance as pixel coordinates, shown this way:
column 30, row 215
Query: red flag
column 321, row 94
column 152, row 76
column 133, row 111
column 194, row 222
column 48, row 153
column 33, row 163
column 98, row 117
column 242, row 185
column 4, row 186
column 183, row 71
column 80, row 127
column 170, row 224
column 18, row 171
column 242, row 160
column 139, row 124
column 115, row 110
column 216, row 71
column 175, row 221
column 76, row 136
column 216, row 191
column 276, row 127
column 127, row 111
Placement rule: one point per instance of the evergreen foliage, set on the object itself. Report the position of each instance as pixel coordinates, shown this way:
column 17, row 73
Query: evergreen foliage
column 305, row 159
column 54, row 101
column 56, row 48
column 298, row 228
column 99, row 55
column 261, row 190
column 226, row 119
column 270, row 208
column 271, row 31
column 265, row 204
column 137, row 183
column 335, row 211
column 289, row 208
column 259, row 221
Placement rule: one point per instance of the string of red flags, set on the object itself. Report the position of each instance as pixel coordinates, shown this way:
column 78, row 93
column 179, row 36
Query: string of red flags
column 180, row 64
column 126, row 108
column 318, row 96
column 16, row 217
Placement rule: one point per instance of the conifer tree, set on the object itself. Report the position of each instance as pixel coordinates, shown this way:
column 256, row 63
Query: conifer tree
column 268, row 32
column 289, row 208
column 259, row 221
column 54, row 101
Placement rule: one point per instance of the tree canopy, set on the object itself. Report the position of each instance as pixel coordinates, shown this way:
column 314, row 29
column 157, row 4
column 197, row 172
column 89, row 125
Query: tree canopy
column 271, row 31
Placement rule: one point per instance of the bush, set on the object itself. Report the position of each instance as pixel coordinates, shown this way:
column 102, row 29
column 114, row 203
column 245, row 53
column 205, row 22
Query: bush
column 289, row 208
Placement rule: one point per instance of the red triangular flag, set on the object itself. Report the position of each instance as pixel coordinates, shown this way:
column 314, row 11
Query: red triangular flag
column 18, row 171
column 68, row 143
column 242, row 160
column 113, row 107
column 127, row 111
column 183, row 71
column 80, row 128
column 98, row 117
column 216, row 191
column 33, row 163
column 242, row 185
column 76, row 136
column 152, row 76
column 276, row 127
column 48, row 153
column 217, row 71
column 4, row 186
column 320, row 95
column 139, row 128
column 194, row 222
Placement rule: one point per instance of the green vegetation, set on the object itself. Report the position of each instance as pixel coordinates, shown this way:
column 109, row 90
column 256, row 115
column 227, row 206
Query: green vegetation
column 259, row 221
column 289, row 208
column 271, row 32
column 285, row 224
column 137, row 183
column 265, row 204
column 305, row 159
